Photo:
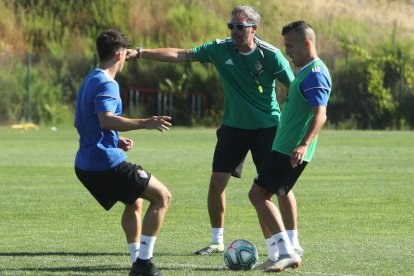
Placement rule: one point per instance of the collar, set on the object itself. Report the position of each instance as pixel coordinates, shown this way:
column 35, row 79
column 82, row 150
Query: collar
column 312, row 61
column 250, row 52
column 105, row 73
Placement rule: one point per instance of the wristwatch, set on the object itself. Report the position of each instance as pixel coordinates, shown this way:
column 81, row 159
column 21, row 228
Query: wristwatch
column 139, row 52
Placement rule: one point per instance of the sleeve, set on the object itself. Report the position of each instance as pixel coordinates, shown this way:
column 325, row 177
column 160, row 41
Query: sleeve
column 315, row 88
column 203, row 53
column 108, row 98
column 282, row 73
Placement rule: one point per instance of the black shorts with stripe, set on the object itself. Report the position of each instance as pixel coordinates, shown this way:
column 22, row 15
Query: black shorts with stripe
column 125, row 183
column 277, row 175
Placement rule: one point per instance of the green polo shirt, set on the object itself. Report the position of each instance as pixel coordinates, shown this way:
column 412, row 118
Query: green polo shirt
column 248, row 81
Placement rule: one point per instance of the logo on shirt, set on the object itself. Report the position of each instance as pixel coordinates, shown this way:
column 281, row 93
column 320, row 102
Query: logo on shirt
column 142, row 174
column 316, row 69
column 229, row 62
column 258, row 66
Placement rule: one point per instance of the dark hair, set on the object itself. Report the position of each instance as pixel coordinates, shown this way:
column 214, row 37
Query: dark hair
column 109, row 42
column 297, row 26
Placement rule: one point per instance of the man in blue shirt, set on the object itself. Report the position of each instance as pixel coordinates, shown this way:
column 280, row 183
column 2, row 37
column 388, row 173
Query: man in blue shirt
column 100, row 161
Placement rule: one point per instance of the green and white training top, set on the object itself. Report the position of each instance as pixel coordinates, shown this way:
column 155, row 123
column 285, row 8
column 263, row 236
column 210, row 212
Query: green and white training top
column 248, row 81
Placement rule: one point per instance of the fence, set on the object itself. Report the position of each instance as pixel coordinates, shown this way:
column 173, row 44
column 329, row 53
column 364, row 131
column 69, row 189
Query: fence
column 155, row 101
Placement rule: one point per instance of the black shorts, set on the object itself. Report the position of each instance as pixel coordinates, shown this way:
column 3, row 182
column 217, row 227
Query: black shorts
column 277, row 175
column 125, row 183
column 234, row 143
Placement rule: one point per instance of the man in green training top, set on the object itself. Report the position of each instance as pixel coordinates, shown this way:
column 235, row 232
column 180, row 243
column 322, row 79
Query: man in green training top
column 248, row 67
column 303, row 116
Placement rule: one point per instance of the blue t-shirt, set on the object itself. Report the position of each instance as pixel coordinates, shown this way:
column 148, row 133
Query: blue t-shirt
column 98, row 148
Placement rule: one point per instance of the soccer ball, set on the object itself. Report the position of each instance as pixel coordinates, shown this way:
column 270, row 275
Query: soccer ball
column 240, row 255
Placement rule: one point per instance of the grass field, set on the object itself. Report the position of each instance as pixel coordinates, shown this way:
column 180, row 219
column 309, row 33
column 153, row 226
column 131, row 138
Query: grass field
column 355, row 202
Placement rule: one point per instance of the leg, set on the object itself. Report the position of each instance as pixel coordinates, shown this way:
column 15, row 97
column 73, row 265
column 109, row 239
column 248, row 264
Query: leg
column 159, row 197
column 288, row 209
column 269, row 216
column 217, row 198
column 287, row 205
column 131, row 224
column 261, row 148
column 131, row 221
column 230, row 151
column 272, row 249
column 271, row 219
column 216, row 202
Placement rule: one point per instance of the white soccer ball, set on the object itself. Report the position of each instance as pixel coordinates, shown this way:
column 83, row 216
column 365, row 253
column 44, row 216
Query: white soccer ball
column 240, row 255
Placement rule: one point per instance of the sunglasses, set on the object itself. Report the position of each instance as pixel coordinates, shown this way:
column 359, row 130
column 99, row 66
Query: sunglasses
column 239, row 27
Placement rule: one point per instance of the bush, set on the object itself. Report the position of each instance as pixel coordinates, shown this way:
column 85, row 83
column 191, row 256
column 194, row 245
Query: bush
column 13, row 98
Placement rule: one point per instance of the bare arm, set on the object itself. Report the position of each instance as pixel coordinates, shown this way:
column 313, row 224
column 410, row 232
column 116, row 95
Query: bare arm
column 109, row 121
column 163, row 54
column 316, row 125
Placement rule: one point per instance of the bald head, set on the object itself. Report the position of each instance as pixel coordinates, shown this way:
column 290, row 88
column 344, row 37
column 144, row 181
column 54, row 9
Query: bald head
column 302, row 29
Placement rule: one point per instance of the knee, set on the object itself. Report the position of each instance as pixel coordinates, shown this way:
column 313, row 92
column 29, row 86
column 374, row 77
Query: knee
column 256, row 196
column 218, row 182
column 165, row 198
column 253, row 197
column 136, row 207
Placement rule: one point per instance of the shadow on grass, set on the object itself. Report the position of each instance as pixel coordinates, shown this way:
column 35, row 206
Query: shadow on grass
column 100, row 268
column 89, row 269
column 86, row 254
column 79, row 254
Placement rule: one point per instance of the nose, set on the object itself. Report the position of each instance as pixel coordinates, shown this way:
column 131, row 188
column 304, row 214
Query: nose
column 234, row 30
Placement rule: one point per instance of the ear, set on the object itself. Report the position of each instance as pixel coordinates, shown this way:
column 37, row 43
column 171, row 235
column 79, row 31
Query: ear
column 254, row 27
column 118, row 55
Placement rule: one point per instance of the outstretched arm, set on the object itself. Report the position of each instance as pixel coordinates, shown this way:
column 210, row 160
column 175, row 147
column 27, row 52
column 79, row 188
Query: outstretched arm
column 162, row 54
column 319, row 119
column 110, row 121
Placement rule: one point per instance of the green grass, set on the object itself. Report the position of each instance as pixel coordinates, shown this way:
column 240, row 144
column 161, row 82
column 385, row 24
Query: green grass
column 355, row 202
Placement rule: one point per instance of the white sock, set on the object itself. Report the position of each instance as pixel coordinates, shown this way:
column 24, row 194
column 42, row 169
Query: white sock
column 272, row 252
column 293, row 236
column 283, row 243
column 133, row 249
column 147, row 247
column 217, row 236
